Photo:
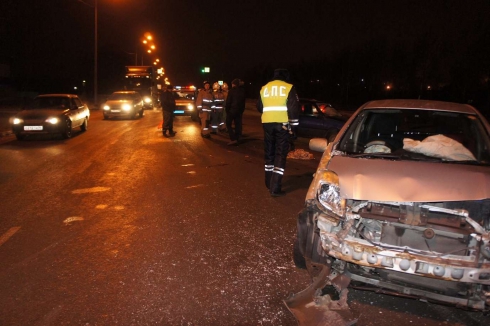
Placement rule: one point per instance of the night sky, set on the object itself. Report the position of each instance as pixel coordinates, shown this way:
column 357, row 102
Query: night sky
column 53, row 40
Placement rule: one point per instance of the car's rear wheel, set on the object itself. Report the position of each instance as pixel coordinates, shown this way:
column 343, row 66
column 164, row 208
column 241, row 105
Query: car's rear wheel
column 20, row 136
column 331, row 134
column 84, row 125
column 68, row 132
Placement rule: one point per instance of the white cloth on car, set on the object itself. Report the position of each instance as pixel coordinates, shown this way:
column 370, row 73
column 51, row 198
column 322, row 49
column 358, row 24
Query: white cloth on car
column 439, row 146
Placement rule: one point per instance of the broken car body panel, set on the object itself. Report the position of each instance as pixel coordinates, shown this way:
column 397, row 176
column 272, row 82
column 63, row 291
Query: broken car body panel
column 401, row 222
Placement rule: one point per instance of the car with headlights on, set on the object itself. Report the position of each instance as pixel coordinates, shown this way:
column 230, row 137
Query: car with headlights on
column 185, row 102
column 400, row 204
column 126, row 104
column 51, row 114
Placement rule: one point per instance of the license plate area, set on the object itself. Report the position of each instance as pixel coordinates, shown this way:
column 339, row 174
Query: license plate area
column 33, row 127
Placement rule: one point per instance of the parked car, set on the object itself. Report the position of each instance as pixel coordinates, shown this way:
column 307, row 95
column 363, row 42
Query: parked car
column 123, row 104
column 319, row 119
column 51, row 114
column 185, row 100
column 400, row 204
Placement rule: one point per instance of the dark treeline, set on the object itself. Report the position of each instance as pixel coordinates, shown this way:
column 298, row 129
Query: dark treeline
column 427, row 68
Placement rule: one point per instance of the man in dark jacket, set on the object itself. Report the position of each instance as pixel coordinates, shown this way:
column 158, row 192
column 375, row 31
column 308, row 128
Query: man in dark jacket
column 235, row 105
column 167, row 99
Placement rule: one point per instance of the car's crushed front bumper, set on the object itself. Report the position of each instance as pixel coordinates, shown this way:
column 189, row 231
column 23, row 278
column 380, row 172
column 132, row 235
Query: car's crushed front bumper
column 446, row 260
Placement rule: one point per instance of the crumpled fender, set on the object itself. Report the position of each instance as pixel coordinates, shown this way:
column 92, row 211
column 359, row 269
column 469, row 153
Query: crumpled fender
column 310, row 308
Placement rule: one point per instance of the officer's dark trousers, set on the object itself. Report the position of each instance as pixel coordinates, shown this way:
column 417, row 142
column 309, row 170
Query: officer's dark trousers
column 234, row 118
column 168, row 121
column 276, row 146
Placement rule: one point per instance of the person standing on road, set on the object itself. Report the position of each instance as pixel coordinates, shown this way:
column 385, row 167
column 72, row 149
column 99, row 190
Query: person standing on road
column 217, row 123
column 167, row 100
column 279, row 105
column 204, row 102
column 235, row 105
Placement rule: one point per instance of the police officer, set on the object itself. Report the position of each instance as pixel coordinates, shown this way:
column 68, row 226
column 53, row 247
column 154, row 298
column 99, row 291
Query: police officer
column 204, row 103
column 167, row 99
column 217, row 123
column 279, row 105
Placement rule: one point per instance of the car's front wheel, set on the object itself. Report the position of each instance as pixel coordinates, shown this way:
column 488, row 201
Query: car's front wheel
column 298, row 258
column 68, row 132
column 84, row 125
column 141, row 113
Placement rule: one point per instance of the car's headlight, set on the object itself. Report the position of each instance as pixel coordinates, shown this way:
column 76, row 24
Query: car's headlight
column 127, row 107
column 107, row 107
column 147, row 100
column 190, row 107
column 328, row 194
column 17, row 121
column 52, row 121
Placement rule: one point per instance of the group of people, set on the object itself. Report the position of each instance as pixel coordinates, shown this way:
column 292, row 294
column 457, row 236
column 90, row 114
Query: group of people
column 221, row 109
column 278, row 103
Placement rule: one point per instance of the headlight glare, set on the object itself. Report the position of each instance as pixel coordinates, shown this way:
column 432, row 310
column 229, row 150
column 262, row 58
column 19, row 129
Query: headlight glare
column 328, row 194
column 190, row 107
column 52, row 121
column 107, row 107
column 17, row 121
column 127, row 107
column 147, row 100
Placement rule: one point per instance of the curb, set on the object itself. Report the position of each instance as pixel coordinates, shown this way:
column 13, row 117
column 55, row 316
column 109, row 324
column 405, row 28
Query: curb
column 5, row 133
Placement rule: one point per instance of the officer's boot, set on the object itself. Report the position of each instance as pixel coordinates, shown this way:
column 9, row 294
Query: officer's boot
column 276, row 183
column 268, row 176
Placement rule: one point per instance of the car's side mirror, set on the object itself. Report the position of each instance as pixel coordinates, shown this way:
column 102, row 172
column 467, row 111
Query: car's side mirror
column 318, row 144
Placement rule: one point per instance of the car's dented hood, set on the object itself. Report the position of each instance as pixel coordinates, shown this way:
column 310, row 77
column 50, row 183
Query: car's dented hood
column 409, row 181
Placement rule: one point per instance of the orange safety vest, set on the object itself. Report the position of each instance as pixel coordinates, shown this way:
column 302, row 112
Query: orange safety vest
column 274, row 97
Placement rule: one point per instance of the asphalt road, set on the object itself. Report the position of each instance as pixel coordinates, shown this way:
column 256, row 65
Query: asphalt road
column 119, row 225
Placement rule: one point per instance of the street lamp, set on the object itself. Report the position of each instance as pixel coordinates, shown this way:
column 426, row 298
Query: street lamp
column 95, row 56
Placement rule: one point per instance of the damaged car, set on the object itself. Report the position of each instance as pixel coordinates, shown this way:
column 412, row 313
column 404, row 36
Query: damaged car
column 400, row 204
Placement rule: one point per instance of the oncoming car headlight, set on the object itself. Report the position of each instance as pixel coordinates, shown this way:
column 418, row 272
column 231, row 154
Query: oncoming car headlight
column 17, row 121
column 52, row 121
column 126, row 107
column 328, row 194
column 107, row 107
column 147, row 100
column 190, row 107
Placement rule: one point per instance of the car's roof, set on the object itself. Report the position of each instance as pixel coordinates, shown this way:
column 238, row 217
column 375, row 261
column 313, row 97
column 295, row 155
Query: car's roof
column 57, row 95
column 420, row 104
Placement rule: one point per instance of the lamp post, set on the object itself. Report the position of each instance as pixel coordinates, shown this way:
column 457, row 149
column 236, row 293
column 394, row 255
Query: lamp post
column 95, row 56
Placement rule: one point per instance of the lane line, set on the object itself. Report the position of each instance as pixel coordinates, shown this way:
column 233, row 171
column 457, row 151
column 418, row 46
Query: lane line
column 8, row 234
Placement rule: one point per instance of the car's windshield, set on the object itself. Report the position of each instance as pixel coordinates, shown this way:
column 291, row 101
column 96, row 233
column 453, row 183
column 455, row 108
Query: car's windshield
column 415, row 134
column 184, row 95
column 50, row 102
column 122, row 97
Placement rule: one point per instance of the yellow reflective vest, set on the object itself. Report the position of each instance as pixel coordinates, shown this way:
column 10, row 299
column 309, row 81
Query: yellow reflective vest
column 274, row 96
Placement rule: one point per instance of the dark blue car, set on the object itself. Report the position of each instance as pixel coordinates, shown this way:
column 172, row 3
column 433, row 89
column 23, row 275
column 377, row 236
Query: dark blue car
column 319, row 120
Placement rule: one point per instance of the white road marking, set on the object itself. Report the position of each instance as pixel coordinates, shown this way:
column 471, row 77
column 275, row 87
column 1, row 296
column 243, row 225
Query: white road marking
column 8, row 234
column 73, row 219
column 101, row 206
column 90, row 190
column 192, row 172
column 196, row 186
